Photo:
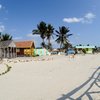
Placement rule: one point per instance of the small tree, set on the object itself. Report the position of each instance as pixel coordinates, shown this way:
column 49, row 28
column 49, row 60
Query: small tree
column 5, row 37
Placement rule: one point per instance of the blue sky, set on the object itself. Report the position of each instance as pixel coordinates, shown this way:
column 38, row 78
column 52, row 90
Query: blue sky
column 20, row 17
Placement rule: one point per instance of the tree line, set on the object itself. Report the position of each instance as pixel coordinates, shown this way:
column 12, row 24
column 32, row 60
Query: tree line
column 47, row 31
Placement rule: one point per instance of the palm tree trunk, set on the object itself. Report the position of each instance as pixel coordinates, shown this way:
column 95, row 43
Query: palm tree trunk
column 48, row 41
column 43, row 43
column 43, row 40
column 60, row 47
column 67, row 49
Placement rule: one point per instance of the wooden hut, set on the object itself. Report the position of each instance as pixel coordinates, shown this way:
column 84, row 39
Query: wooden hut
column 7, row 49
column 25, row 48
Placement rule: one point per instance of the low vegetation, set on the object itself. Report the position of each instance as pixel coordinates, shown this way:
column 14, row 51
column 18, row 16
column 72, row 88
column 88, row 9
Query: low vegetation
column 7, row 70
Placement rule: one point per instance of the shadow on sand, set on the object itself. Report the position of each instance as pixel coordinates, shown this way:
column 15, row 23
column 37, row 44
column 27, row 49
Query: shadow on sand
column 84, row 89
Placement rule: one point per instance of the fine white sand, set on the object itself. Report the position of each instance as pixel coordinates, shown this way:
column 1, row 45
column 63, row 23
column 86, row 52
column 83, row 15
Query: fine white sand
column 48, row 78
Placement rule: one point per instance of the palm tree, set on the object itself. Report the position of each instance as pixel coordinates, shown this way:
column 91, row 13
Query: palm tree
column 50, row 31
column 62, row 36
column 41, row 30
column 5, row 37
column 0, row 49
column 0, row 36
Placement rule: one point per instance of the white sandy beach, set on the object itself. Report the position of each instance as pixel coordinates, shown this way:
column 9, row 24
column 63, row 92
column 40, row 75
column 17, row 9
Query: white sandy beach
column 48, row 79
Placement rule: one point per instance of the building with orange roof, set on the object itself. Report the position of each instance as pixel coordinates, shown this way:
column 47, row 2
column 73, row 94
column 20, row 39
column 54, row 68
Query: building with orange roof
column 25, row 48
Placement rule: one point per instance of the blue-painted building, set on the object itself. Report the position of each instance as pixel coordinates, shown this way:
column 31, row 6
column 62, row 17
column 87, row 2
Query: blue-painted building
column 88, row 49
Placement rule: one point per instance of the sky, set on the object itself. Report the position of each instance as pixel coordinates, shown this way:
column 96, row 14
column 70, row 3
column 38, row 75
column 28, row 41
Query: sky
column 20, row 17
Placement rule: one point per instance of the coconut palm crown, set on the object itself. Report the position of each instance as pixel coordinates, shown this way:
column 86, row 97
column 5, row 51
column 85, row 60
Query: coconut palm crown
column 49, row 34
column 5, row 37
column 41, row 30
column 62, row 36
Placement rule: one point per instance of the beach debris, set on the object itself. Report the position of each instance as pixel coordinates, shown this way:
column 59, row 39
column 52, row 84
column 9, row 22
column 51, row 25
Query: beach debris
column 7, row 70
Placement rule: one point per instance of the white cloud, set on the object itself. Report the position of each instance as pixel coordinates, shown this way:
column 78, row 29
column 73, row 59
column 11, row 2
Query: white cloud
column 17, row 38
column 2, row 28
column 31, row 35
column 0, row 6
column 72, row 20
column 88, row 18
column 3, row 8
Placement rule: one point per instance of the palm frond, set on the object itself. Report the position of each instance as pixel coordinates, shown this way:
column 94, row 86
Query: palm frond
column 69, row 35
column 35, row 32
column 62, row 36
column 58, row 40
column 57, row 32
column 5, row 37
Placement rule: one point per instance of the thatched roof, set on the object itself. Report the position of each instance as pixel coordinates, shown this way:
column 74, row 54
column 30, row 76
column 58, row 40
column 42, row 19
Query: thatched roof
column 8, row 43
